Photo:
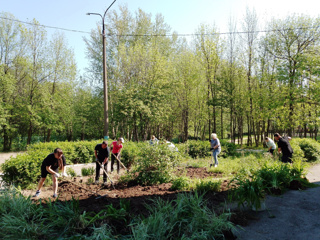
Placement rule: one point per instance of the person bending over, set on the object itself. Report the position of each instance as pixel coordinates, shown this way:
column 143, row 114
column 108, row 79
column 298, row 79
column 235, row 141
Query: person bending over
column 51, row 165
column 116, row 150
column 101, row 153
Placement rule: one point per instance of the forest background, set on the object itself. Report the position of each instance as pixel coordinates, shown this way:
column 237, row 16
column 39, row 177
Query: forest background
column 243, row 84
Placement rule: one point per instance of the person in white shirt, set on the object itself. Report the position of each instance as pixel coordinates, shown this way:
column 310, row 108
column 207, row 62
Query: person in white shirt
column 271, row 145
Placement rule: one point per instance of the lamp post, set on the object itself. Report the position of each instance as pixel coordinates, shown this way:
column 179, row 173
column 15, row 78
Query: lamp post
column 105, row 78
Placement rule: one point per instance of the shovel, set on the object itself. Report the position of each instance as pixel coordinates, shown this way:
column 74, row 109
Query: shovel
column 106, row 173
column 120, row 162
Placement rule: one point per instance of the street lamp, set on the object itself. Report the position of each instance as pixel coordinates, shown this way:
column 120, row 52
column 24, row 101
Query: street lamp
column 105, row 78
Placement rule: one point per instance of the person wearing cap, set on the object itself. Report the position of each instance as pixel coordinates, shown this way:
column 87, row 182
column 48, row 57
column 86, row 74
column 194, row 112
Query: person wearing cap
column 116, row 150
column 51, row 165
column 101, row 153
column 284, row 147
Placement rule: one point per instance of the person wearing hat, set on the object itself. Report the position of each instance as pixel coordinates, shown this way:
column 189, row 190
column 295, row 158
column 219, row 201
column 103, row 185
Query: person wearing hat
column 284, row 147
column 116, row 150
column 101, row 153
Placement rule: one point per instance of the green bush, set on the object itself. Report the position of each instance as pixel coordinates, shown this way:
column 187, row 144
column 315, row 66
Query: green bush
column 207, row 185
column 130, row 152
column 298, row 154
column 181, row 183
column 24, row 169
column 71, row 172
column 249, row 191
column 198, row 149
column 155, row 165
column 87, row 171
column 310, row 148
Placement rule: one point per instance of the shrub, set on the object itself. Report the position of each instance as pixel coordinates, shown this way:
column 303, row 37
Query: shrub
column 249, row 191
column 181, row 183
column 155, row 165
column 310, row 148
column 24, row 169
column 130, row 152
column 198, row 149
column 207, row 185
column 87, row 171
column 71, row 172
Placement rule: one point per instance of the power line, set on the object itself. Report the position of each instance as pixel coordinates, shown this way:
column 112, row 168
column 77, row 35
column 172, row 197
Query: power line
column 164, row 35
column 45, row 26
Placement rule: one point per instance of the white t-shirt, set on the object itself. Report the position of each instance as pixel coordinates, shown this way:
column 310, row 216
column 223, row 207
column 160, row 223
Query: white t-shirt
column 271, row 144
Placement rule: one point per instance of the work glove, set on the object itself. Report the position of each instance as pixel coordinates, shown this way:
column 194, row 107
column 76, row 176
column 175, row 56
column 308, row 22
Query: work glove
column 64, row 175
column 57, row 175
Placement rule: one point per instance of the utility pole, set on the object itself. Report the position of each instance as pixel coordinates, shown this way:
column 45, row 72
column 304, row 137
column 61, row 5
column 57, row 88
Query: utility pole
column 105, row 77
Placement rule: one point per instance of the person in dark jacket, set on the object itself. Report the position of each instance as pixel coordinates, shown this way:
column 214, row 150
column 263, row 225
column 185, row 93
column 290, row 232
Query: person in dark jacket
column 101, row 153
column 51, row 165
column 284, row 147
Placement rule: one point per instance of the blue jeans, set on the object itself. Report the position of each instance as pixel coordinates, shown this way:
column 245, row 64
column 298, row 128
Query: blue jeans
column 215, row 154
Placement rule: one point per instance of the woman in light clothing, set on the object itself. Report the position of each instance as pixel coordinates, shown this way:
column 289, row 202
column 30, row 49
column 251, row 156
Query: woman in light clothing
column 270, row 144
column 215, row 148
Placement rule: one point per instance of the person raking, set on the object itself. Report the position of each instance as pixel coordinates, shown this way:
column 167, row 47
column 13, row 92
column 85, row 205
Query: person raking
column 116, row 151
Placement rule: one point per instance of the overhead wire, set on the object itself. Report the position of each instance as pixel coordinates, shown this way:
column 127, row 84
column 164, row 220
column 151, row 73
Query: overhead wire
column 163, row 35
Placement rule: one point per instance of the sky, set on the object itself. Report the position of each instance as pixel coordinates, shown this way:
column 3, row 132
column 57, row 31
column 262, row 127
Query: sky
column 184, row 16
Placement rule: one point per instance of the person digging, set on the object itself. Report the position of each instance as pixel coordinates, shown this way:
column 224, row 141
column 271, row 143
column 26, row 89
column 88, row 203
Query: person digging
column 116, row 150
column 101, row 153
column 51, row 165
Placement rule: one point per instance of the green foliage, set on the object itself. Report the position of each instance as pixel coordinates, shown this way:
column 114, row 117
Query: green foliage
column 298, row 153
column 101, row 233
column 181, row 183
column 71, row 172
column 155, row 165
column 87, row 171
column 74, row 152
column 198, row 149
column 207, row 185
column 20, row 218
column 310, row 148
column 187, row 217
column 248, row 191
column 24, row 169
column 230, row 149
column 130, row 152
column 275, row 176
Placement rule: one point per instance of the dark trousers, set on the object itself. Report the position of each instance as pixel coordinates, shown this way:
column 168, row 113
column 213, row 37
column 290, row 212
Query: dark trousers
column 271, row 151
column 98, row 171
column 113, row 159
column 286, row 158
